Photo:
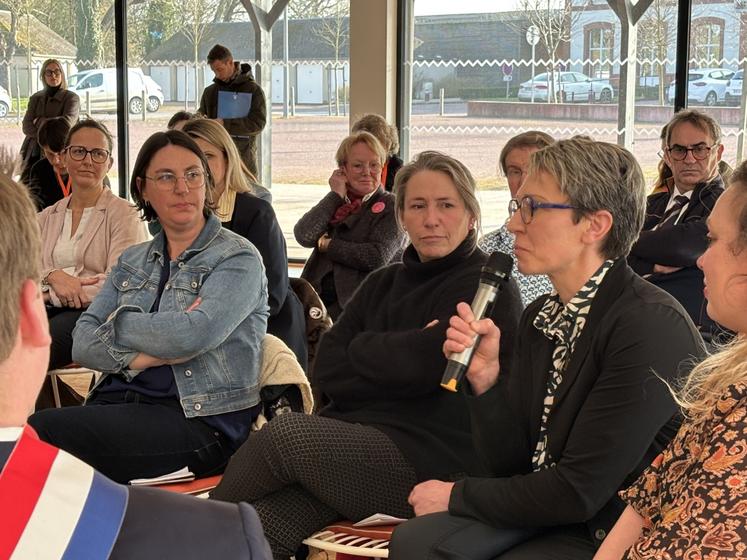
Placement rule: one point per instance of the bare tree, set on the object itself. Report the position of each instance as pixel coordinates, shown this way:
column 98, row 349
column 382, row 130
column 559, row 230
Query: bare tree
column 301, row 9
column 197, row 16
column 656, row 35
column 20, row 12
column 555, row 21
column 333, row 31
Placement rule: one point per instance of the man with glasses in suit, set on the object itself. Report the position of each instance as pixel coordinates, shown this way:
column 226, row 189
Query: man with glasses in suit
column 674, row 232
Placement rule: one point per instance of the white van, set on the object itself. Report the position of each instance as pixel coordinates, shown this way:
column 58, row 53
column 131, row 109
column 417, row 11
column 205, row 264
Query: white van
column 101, row 86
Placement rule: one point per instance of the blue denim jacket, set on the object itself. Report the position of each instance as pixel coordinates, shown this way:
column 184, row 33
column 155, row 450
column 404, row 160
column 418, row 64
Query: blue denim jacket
column 223, row 334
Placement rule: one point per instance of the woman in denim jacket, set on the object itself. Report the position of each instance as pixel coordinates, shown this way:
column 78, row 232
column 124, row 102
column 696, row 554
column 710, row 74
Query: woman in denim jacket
column 180, row 359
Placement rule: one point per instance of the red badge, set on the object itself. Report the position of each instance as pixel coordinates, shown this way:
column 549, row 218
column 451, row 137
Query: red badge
column 378, row 207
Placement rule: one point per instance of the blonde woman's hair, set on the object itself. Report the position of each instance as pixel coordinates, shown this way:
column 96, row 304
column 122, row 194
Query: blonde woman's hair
column 46, row 63
column 238, row 177
column 711, row 378
column 362, row 137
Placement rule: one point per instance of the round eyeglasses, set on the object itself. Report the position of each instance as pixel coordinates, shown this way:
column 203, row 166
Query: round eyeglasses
column 79, row 153
column 699, row 151
column 166, row 181
column 526, row 206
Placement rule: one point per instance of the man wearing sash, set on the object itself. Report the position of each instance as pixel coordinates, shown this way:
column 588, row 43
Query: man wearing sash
column 53, row 505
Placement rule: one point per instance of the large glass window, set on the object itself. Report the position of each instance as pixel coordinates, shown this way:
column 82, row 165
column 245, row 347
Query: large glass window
column 487, row 71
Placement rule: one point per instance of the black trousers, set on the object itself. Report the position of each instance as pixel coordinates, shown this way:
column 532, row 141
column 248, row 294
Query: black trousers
column 441, row 536
column 61, row 324
column 303, row 472
column 127, row 435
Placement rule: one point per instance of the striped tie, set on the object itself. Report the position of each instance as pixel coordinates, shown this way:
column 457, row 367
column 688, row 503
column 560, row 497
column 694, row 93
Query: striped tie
column 671, row 215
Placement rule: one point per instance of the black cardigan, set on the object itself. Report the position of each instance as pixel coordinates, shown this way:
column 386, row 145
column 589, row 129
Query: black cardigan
column 254, row 219
column 379, row 364
column 612, row 414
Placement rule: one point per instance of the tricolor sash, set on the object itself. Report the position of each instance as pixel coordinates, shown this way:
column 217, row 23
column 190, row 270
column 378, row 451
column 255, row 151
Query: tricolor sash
column 54, row 506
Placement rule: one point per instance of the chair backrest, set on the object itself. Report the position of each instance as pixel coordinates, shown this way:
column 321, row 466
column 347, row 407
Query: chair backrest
column 318, row 320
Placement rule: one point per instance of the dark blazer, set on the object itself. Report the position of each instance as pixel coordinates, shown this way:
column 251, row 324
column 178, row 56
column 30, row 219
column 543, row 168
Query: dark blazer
column 43, row 185
column 159, row 524
column 363, row 242
column 680, row 246
column 254, row 219
column 393, row 164
column 612, row 414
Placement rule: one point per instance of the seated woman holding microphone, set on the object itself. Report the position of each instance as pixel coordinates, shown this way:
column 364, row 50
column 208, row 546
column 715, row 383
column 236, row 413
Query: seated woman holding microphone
column 180, row 358
column 241, row 211
column 690, row 502
column 582, row 411
column 388, row 424
column 353, row 229
column 82, row 238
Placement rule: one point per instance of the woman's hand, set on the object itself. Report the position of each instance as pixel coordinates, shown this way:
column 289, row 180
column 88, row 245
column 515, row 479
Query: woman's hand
column 69, row 289
column 463, row 329
column 323, row 243
column 338, row 182
column 430, row 496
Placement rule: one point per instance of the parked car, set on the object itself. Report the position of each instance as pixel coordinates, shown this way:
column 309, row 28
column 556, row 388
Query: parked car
column 101, row 85
column 5, row 103
column 569, row 86
column 733, row 92
column 705, row 85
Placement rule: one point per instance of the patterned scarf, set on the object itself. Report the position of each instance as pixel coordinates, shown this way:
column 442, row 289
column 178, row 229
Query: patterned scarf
column 562, row 324
column 352, row 206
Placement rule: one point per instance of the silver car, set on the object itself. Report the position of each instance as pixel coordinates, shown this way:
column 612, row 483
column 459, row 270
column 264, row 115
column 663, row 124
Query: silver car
column 570, row 87
column 100, row 87
column 5, row 103
column 733, row 92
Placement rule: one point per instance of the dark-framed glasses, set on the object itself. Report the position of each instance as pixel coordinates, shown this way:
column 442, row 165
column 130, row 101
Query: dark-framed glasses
column 699, row 151
column 526, row 207
column 79, row 153
column 167, row 181
column 50, row 73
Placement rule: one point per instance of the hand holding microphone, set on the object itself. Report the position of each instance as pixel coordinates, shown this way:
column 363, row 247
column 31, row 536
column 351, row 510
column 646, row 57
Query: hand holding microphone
column 463, row 338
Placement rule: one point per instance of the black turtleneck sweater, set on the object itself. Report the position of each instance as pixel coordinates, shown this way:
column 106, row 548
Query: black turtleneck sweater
column 379, row 365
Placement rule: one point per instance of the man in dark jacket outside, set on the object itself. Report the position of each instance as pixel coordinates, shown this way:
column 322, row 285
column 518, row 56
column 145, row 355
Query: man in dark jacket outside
column 237, row 78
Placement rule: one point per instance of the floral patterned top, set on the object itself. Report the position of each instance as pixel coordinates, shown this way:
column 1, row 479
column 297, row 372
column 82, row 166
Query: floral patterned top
column 694, row 495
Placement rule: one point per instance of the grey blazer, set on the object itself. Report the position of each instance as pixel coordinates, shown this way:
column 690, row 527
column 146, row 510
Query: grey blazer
column 360, row 244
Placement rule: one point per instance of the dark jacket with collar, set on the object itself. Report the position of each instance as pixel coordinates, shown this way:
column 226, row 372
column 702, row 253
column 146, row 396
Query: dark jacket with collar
column 244, row 130
column 254, row 219
column 611, row 416
column 363, row 242
column 680, row 246
column 159, row 524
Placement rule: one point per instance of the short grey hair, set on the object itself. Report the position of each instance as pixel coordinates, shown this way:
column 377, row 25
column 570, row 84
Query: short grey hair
column 598, row 176
column 698, row 119
column 452, row 168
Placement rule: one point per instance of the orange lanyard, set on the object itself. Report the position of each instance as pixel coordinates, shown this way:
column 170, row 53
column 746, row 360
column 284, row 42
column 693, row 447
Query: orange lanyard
column 384, row 171
column 64, row 187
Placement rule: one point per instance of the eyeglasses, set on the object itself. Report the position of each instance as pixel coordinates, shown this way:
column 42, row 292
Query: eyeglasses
column 166, row 182
column 79, row 153
column 527, row 205
column 374, row 168
column 700, row 151
column 51, row 73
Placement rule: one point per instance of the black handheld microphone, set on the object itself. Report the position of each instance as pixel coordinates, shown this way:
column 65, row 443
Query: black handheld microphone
column 494, row 275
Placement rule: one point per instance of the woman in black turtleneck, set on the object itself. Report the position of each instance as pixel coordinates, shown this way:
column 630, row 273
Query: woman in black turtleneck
column 53, row 101
column 387, row 424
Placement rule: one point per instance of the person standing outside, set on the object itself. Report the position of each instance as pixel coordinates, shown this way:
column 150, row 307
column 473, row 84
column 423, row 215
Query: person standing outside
column 242, row 110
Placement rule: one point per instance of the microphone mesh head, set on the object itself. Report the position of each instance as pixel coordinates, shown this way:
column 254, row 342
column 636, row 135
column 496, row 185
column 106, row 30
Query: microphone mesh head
column 499, row 264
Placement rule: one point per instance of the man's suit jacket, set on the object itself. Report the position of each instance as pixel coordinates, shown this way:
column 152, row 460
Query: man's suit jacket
column 611, row 417
column 679, row 245
column 159, row 524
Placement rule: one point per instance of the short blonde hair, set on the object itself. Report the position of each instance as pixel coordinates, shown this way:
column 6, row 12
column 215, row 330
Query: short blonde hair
column 362, row 137
column 385, row 133
column 20, row 256
column 238, row 177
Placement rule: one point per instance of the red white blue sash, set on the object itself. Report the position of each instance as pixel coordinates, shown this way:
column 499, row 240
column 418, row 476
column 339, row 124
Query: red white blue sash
column 54, row 506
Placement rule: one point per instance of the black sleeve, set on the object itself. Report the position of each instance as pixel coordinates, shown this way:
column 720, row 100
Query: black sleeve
column 262, row 229
column 679, row 245
column 626, row 407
